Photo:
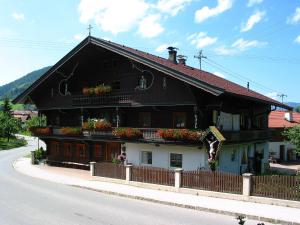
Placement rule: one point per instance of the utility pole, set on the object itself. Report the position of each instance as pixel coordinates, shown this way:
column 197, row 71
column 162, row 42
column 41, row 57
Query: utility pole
column 90, row 28
column 200, row 56
column 282, row 96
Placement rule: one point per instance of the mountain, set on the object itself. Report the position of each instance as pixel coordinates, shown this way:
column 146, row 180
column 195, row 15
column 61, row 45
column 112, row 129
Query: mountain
column 13, row 89
column 293, row 104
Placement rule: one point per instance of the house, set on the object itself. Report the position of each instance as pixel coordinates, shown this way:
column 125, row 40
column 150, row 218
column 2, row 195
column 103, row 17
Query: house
column 279, row 149
column 23, row 115
column 131, row 95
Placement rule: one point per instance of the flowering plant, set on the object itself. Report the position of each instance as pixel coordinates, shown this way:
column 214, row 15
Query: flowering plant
column 40, row 130
column 102, row 125
column 70, row 131
column 98, row 90
column 127, row 132
column 180, row 134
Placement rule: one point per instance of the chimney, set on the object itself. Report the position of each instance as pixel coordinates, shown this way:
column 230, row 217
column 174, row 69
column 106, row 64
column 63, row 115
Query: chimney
column 172, row 54
column 182, row 60
column 289, row 116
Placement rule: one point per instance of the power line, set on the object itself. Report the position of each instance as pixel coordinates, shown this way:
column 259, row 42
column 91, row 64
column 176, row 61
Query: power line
column 200, row 56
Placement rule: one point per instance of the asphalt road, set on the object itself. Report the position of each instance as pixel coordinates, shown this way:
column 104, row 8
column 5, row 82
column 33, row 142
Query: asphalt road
column 26, row 200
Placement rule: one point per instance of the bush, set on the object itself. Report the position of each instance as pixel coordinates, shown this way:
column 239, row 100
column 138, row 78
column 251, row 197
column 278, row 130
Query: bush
column 39, row 154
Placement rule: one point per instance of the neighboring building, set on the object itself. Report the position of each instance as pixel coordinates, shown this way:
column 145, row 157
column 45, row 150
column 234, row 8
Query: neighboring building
column 148, row 92
column 279, row 149
column 23, row 115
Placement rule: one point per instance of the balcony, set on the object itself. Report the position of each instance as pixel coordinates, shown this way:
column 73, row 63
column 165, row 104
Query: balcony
column 246, row 135
column 146, row 135
column 109, row 99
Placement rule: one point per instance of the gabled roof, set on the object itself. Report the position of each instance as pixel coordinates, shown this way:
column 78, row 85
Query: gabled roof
column 198, row 78
column 277, row 119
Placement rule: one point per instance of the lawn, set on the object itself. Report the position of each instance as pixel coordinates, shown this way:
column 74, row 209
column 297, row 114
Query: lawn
column 13, row 143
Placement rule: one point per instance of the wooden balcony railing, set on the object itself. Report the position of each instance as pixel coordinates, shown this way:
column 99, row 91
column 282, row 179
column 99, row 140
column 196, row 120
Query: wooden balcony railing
column 109, row 99
column 246, row 135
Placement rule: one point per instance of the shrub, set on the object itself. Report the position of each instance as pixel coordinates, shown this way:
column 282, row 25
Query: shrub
column 39, row 154
column 70, row 131
column 127, row 132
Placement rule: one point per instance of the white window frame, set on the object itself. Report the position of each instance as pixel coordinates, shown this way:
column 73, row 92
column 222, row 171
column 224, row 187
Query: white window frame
column 170, row 159
column 141, row 158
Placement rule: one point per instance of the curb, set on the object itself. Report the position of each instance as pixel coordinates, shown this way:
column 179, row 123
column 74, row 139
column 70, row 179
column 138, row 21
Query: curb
column 199, row 208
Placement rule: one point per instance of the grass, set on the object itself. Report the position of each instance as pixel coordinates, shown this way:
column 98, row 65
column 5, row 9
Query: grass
column 13, row 143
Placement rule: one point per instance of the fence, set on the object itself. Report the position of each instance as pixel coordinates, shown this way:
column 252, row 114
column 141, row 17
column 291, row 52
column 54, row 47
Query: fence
column 283, row 187
column 153, row 175
column 212, row 181
column 110, row 170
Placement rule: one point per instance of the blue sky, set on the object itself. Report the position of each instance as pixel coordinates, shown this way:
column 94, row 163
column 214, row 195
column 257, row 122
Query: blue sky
column 244, row 40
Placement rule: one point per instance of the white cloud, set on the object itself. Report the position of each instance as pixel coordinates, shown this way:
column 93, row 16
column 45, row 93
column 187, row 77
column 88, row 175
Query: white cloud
column 18, row 16
column 113, row 16
column 206, row 12
column 273, row 95
column 253, row 19
column 239, row 46
column 253, row 2
column 201, row 39
column 219, row 74
column 297, row 40
column 295, row 18
column 163, row 47
column 79, row 37
column 172, row 6
column 149, row 27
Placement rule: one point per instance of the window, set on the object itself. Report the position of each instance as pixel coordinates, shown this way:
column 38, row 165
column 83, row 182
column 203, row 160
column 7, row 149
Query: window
column 54, row 148
column 81, row 151
column 176, row 160
column 179, row 119
column 146, row 157
column 68, row 149
column 145, row 119
column 116, row 85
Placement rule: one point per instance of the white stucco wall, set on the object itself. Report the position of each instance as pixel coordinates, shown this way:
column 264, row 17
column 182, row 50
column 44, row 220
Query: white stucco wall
column 275, row 147
column 192, row 157
column 225, row 158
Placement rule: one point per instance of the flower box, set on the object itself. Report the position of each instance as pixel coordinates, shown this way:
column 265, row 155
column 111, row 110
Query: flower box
column 180, row 135
column 127, row 133
column 40, row 131
column 70, row 131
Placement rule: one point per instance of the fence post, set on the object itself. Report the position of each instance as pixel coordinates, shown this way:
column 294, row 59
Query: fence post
column 92, row 168
column 247, row 178
column 178, row 173
column 32, row 157
column 128, row 173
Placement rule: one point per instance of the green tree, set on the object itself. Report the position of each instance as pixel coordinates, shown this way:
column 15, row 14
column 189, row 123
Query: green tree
column 37, row 121
column 9, row 126
column 297, row 109
column 292, row 135
column 6, row 106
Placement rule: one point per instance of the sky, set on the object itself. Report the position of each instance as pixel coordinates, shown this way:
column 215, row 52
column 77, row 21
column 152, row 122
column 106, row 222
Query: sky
column 255, row 41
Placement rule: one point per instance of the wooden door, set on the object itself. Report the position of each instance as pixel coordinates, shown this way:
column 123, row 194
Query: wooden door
column 113, row 149
column 282, row 152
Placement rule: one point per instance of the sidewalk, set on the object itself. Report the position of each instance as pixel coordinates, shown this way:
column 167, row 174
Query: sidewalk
column 80, row 178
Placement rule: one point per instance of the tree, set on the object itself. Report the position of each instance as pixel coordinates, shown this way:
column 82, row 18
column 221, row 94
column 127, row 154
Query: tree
column 6, row 107
column 297, row 109
column 292, row 135
column 37, row 121
column 8, row 125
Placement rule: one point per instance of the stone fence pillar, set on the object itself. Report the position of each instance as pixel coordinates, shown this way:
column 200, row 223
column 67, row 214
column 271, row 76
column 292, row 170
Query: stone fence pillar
column 32, row 157
column 247, row 178
column 128, row 172
column 92, row 168
column 178, row 174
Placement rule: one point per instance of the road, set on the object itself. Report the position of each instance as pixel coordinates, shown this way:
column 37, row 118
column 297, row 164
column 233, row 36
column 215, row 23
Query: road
column 26, row 200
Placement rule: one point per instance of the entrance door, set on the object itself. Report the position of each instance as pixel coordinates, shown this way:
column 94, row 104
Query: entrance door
column 113, row 149
column 282, row 152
